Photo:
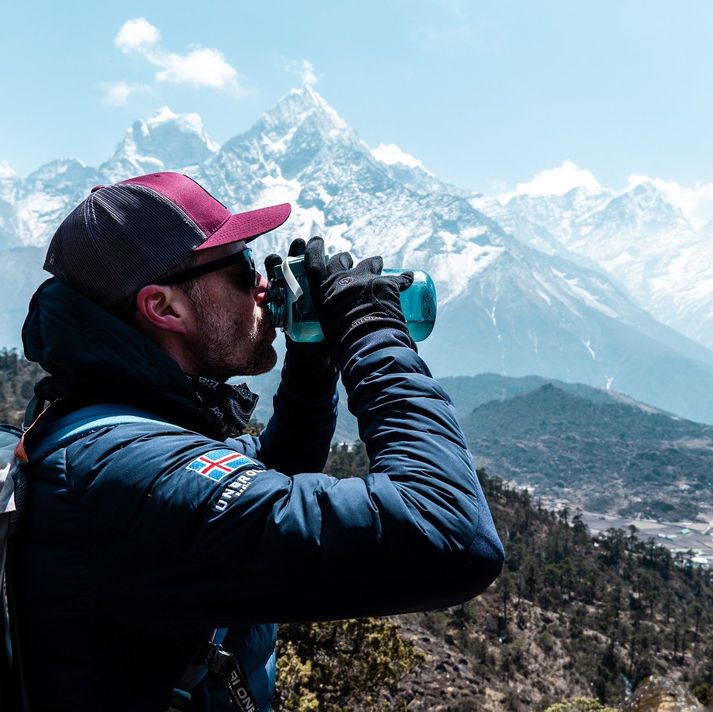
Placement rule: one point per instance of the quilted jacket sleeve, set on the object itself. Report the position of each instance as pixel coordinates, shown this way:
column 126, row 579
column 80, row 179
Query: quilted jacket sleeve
column 189, row 531
column 304, row 414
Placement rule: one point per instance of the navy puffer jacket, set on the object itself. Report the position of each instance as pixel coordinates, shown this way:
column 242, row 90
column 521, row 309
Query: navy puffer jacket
column 138, row 540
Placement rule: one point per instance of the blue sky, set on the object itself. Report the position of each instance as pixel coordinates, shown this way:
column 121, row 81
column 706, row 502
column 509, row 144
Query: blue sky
column 486, row 94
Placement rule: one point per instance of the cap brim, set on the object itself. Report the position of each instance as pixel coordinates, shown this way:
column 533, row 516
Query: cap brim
column 247, row 226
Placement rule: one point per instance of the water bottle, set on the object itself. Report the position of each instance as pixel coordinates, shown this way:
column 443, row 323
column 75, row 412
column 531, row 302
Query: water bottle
column 292, row 309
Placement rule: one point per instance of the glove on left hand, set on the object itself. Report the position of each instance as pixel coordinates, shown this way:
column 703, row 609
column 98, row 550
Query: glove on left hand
column 355, row 301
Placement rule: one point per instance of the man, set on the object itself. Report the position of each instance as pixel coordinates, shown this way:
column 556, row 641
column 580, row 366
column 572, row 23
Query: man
column 142, row 537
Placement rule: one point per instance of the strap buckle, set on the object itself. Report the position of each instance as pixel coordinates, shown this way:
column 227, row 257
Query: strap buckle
column 224, row 665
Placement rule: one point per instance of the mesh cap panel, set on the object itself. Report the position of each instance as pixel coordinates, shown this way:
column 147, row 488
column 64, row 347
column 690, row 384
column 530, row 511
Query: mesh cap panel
column 119, row 239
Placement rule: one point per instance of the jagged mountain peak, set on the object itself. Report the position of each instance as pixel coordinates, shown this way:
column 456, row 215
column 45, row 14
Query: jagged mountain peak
column 646, row 191
column 646, row 207
column 59, row 175
column 647, row 196
column 164, row 141
column 299, row 110
column 300, row 151
column 301, row 125
column 165, row 124
column 303, row 102
column 58, row 166
column 580, row 195
column 188, row 123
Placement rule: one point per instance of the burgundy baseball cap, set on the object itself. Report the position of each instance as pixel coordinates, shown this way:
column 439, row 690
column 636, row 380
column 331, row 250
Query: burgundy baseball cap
column 124, row 236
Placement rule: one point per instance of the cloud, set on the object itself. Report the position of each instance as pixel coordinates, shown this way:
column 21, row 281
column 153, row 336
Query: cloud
column 135, row 35
column 555, row 181
column 695, row 203
column 118, row 93
column 304, row 69
column 198, row 67
column 202, row 67
column 390, row 154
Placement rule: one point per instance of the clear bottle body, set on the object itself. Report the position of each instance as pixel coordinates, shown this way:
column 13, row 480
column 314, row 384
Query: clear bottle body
column 292, row 309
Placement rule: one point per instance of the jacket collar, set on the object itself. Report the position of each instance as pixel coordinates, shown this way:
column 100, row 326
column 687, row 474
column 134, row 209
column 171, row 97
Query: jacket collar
column 93, row 357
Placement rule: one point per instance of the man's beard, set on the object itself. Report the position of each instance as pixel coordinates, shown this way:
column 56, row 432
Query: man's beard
column 213, row 349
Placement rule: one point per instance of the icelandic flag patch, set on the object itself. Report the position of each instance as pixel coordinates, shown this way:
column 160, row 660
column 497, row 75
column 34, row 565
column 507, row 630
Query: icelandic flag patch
column 217, row 464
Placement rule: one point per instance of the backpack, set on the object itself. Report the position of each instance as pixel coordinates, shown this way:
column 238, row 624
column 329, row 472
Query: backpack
column 9, row 438
column 12, row 498
column 13, row 486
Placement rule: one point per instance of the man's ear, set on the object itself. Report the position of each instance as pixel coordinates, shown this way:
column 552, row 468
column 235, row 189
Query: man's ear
column 164, row 307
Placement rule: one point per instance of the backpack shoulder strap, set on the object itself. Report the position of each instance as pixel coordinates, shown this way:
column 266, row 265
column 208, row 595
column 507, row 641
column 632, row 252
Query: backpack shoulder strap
column 73, row 426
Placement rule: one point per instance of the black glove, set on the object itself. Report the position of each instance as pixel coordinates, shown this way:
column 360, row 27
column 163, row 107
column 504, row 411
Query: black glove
column 297, row 248
column 353, row 302
column 308, row 366
column 318, row 348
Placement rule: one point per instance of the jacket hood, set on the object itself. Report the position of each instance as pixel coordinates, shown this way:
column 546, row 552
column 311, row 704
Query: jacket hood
column 93, row 357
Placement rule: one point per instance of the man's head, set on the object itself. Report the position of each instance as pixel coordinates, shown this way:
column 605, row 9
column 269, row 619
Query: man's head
column 161, row 243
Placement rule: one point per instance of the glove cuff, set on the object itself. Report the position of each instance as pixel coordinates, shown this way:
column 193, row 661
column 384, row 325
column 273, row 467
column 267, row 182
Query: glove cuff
column 369, row 324
column 308, row 371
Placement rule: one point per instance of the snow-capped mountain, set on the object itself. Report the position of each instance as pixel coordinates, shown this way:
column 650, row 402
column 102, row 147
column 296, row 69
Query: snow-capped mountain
column 8, row 195
column 504, row 305
column 166, row 140
column 46, row 196
column 639, row 237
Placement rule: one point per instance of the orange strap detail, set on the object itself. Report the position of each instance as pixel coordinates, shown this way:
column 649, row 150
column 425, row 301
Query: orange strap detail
column 20, row 452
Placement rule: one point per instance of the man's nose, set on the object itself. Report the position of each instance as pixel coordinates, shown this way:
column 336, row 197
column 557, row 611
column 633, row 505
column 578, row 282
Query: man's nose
column 261, row 289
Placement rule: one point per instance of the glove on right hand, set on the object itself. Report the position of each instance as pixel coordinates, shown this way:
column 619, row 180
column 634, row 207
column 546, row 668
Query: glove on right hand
column 353, row 302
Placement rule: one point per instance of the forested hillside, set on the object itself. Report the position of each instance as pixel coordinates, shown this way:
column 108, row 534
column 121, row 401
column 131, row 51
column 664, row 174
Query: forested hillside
column 17, row 378
column 570, row 616
column 597, row 451
column 593, row 448
column 575, row 615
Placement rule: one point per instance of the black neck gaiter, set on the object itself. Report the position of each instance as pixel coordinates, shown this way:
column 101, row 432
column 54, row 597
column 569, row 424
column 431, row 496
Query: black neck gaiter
column 230, row 406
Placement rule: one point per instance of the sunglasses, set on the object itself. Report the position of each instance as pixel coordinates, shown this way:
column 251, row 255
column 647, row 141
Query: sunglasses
column 248, row 278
